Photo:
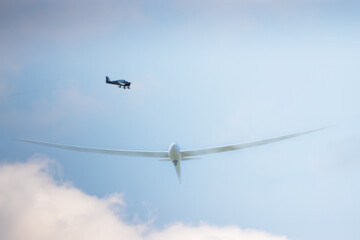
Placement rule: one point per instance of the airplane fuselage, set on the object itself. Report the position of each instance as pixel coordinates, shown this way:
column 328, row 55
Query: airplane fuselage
column 174, row 152
column 175, row 157
column 121, row 83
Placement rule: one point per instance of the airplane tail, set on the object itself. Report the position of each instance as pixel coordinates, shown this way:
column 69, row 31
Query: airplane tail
column 177, row 166
column 107, row 79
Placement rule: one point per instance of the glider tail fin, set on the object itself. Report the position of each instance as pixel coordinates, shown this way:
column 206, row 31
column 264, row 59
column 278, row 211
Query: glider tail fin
column 107, row 79
column 177, row 165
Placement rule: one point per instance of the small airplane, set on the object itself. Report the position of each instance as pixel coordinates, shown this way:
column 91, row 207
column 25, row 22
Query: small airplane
column 121, row 82
column 174, row 153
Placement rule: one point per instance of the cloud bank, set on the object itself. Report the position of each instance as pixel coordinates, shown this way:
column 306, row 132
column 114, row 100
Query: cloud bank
column 34, row 206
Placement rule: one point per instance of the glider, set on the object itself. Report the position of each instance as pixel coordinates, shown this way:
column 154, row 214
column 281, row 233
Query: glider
column 174, row 153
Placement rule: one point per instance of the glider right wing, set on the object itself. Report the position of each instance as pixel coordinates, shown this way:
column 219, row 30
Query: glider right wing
column 188, row 154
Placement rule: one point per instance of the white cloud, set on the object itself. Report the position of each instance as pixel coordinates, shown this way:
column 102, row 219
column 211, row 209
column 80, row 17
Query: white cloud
column 34, row 206
column 180, row 231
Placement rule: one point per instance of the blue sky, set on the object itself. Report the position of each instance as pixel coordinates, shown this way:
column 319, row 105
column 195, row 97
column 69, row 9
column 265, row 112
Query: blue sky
column 205, row 73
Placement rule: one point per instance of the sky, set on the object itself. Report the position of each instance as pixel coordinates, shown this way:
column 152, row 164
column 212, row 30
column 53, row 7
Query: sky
column 204, row 73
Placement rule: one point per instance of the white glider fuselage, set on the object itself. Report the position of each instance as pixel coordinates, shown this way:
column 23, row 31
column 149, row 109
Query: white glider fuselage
column 175, row 157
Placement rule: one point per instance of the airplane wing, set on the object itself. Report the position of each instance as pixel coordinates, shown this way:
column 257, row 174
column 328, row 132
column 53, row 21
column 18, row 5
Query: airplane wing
column 188, row 154
column 154, row 154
